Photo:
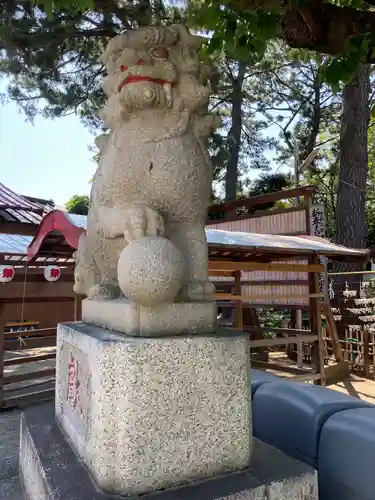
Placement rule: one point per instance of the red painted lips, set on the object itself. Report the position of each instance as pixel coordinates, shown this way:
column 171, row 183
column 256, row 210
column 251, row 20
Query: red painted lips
column 134, row 78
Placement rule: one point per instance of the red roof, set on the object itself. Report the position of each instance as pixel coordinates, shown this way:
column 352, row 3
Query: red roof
column 55, row 224
column 16, row 208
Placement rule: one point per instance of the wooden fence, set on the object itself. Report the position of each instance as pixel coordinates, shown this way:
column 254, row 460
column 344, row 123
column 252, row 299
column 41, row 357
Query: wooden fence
column 27, row 352
column 353, row 308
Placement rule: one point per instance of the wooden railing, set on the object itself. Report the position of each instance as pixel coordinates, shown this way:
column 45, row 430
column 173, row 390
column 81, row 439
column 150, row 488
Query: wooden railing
column 26, row 340
column 21, row 351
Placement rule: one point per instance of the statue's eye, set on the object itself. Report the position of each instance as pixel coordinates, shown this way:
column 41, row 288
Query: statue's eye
column 160, row 53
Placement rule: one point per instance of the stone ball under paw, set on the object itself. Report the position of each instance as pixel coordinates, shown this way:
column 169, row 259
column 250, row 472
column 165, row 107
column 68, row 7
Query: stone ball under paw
column 151, row 270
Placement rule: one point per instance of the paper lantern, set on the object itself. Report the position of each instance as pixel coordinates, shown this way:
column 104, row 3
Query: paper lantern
column 52, row 273
column 6, row 274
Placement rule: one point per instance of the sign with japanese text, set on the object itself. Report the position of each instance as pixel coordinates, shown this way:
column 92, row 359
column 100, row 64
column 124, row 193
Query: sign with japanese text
column 6, row 274
column 52, row 273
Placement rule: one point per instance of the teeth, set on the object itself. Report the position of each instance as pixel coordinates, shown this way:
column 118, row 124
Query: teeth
column 168, row 94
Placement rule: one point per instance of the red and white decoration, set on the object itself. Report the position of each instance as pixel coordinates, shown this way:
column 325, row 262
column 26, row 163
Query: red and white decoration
column 52, row 273
column 6, row 274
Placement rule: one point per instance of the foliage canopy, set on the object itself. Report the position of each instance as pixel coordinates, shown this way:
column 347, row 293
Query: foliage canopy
column 342, row 29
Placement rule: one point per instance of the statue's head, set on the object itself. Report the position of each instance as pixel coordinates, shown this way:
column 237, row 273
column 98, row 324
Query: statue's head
column 154, row 68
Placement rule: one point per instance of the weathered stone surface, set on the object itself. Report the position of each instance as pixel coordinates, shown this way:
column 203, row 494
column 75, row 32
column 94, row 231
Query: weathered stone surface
column 151, row 271
column 126, row 317
column 285, row 477
column 154, row 177
column 61, row 475
column 150, row 413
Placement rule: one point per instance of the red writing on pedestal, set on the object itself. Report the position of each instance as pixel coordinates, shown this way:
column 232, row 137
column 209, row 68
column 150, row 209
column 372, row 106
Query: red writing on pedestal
column 74, row 390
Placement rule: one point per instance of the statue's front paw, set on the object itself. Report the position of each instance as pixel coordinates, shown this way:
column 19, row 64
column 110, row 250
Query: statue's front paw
column 104, row 291
column 79, row 288
column 110, row 232
column 142, row 220
column 198, row 291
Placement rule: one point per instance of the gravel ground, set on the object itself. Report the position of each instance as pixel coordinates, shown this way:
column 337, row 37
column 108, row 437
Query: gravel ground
column 10, row 487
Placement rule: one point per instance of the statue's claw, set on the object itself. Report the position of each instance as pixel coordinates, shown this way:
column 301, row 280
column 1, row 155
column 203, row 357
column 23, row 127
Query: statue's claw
column 104, row 291
column 198, row 292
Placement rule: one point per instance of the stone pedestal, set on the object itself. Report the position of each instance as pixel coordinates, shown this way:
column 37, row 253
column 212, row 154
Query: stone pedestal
column 146, row 414
column 50, row 470
column 135, row 319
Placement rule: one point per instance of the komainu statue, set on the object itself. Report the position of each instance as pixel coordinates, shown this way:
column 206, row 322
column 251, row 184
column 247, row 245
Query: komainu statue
column 145, row 238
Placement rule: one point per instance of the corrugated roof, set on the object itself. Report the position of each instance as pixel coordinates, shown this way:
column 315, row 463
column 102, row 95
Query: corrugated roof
column 16, row 208
column 276, row 242
column 263, row 241
column 77, row 220
column 14, row 243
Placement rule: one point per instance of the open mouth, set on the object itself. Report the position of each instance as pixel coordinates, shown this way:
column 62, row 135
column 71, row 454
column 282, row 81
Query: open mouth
column 135, row 78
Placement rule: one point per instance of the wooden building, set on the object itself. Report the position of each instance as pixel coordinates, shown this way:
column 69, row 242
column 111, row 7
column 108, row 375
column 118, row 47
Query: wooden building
column 289, row 212
column 24, row 298
column 21, row 215
column 230, row 254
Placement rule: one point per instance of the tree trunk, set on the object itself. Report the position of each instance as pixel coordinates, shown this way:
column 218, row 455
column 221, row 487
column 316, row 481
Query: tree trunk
column 314, row 122
column 351, row 228
column 234, row 135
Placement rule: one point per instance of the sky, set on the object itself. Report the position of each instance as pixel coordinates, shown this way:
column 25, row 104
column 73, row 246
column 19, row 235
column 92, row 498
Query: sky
column 48, row 159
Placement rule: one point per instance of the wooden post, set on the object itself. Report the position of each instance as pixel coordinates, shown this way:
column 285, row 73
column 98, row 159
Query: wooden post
column 366, row 357
column 2, row 353
column 77, row 308
column 316, row 322
column 237, row 291
column 300, row 354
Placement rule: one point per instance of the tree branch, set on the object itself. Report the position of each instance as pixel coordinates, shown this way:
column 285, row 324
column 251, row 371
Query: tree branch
column 315, row 25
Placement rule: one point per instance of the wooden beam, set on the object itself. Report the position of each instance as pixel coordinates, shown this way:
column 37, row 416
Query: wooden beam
column 65, row 268
column 36, row 290
column 21, row 377
column 349, row 273
column 40, row 332
column 39, row 278
column 279, row 367
column 280, row 331
column 299, row 296
column 29, row 359
column 218, row 272
column 262, row 283
column 283, row 341
column 263, row 266
column 336, row 373
column 316, row 321
column 78, row 307
column 237, row 291
column 18, row 228
column 309, row 377
column 33, row 397
column 33, row 300
column 332, row 331
column 29, row 343
column 263, row 199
